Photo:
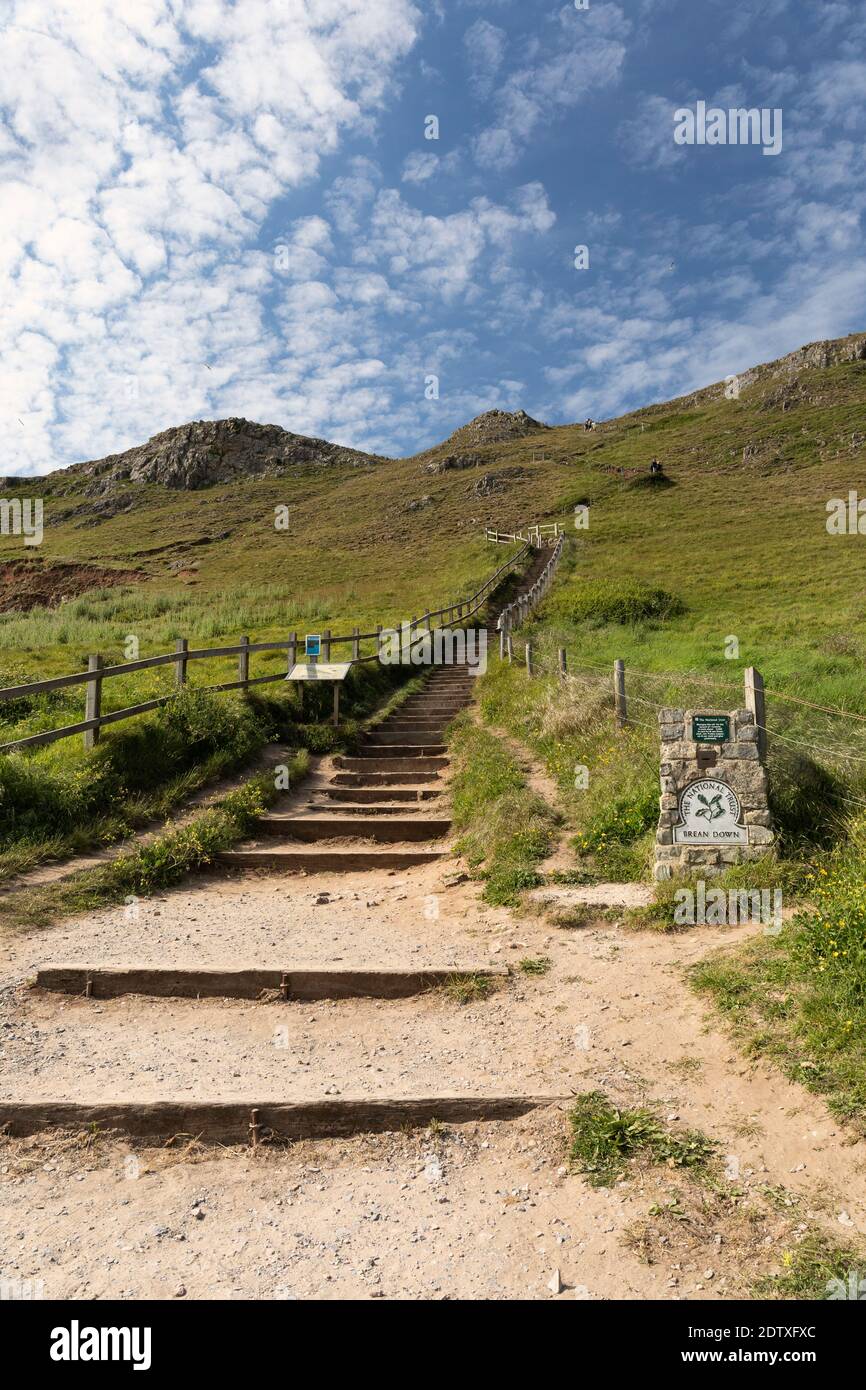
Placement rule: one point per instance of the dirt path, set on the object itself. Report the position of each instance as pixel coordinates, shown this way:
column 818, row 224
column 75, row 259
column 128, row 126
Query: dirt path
column 478, row 1210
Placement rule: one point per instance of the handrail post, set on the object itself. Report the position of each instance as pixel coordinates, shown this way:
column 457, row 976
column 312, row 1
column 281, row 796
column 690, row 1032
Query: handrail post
column 93, row 701
column 356, row 643
column 326, row 644
column 619, row 694
column 244, row 661
column 181, row 645
column 529, row 670
column 293, row 651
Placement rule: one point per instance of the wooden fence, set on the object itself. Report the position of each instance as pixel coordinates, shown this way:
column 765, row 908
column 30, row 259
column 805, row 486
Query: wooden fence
column 517, row 612
column 546, row 532
column 97, row 673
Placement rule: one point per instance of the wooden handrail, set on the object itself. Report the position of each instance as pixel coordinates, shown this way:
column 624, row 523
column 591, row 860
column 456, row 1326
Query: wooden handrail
column 467, row 607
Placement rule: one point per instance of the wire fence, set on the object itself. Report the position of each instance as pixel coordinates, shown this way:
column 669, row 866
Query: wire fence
column 825, row 734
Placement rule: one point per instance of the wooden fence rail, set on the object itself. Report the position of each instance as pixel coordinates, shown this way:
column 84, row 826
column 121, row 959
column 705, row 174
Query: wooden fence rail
column 536, row 535
column 518, row 611
column 96, row 674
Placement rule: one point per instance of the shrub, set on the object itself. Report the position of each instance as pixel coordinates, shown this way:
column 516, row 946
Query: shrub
column 600, row 601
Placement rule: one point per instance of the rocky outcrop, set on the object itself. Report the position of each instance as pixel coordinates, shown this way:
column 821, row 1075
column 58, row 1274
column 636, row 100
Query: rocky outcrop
column 491, row 483
column 495, row 427
column 451, row 462
column 205, row 452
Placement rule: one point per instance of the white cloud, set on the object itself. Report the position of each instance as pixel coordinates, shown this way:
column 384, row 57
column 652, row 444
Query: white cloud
column 584, row 51
column 484, row 44
column 137, row 186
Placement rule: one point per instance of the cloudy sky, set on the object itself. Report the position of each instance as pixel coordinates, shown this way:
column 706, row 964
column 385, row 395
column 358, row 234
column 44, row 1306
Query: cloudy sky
column 214, row 208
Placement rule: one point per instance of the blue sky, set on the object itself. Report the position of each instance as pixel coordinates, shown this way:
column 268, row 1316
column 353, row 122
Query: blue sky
column 216, row 209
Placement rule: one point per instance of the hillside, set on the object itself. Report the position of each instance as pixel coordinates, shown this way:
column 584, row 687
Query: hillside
column 192, row 513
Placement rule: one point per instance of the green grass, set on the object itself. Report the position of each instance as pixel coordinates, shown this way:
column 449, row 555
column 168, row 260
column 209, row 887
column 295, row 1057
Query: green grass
column 818, row 1268
column 534, row 965
column 152, row 867
column 469, row 987
column 505, row 829
column 606, row 1139
column 799, row 998
column 60, row 799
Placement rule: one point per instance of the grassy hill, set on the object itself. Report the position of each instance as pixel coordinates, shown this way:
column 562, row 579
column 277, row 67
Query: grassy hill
column 735, row 533
column 742, row 518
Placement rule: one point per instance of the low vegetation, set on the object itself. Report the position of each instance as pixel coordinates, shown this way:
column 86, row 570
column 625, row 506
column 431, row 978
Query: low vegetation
column 606, row 1139
column 799, row 998
column 505, row 829
column 162, row 862
column 816, row 1268
column 469, row 988
column 60, row 799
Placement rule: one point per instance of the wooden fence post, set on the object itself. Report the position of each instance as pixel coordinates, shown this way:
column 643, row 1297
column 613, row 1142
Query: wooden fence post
column 379, row 641
column 529, row 671
column 181, row 645
column 509, row 648
column 563, row 662
column 293, row 651
column 93, row 701
column 336, row 718
column 244, row 661
column 501, row 640
column 620, row 705
column 356, row 643
column 756, row 703
column 326, row 644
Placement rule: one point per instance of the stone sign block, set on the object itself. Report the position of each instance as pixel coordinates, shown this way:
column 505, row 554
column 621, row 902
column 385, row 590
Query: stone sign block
column 713, row 806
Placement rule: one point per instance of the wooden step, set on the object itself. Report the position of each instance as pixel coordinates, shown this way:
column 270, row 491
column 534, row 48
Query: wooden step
column 368, row 796
column 394, row 763
column 359, row 826
column 326, row 861
column 401, row 746
column 367, row 781
column 104, row 982
column 229, row 1122
column 347, row 811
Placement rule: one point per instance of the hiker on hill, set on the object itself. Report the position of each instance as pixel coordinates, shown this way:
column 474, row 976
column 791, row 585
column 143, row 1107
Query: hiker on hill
column 589, row 423
column 655, row 468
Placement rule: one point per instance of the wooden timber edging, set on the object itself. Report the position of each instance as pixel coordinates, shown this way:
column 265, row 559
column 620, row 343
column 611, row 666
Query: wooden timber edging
column 107, row 983
column 253, row 1122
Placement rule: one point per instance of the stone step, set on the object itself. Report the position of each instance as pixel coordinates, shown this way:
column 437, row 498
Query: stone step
column 326, row 861
column 104, row 982
column 254, row 1120
column 395, row 831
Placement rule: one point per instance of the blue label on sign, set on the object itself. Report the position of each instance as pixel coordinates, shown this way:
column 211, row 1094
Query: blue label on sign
column 313, row 645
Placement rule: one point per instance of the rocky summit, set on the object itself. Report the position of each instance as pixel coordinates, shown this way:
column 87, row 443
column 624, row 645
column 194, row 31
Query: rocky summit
column 205, row 452
column 494, row 427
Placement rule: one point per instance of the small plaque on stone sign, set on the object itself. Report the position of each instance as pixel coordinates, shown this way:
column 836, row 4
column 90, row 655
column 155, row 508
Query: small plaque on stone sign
column 711, row 728
column 709, row 814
